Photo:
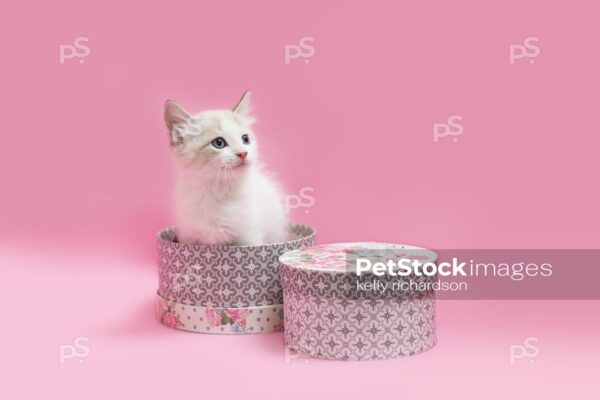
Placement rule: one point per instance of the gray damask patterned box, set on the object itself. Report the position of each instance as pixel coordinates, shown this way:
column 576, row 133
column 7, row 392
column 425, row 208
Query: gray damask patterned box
column 329, row 313
column 223, row 289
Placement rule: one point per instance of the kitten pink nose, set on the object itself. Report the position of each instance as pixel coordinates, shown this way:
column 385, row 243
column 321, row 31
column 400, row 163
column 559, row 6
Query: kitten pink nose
column 242, row 155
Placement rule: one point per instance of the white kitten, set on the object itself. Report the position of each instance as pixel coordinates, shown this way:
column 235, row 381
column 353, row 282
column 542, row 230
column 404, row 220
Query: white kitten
column 222, row 194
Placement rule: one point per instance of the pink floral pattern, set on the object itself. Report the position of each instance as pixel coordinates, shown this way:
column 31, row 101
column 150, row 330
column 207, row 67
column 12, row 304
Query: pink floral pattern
column 166, row 314
column 219, row 320
column 235, row 318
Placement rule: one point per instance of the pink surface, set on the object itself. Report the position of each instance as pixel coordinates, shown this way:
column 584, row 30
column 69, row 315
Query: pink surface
column 86, row 179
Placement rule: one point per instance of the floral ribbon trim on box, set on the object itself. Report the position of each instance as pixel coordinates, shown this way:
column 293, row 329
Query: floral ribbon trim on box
column 219, row 320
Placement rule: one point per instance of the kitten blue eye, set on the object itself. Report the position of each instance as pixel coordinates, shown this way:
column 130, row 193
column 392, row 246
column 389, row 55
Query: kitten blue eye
column 245, row 139
column 219, row 143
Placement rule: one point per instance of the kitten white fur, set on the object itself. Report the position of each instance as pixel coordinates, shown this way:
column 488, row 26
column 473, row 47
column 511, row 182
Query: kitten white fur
column 222, row 196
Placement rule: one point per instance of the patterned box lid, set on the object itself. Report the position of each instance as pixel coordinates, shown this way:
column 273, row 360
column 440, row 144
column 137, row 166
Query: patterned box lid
column 328, row 270
column 333, row 257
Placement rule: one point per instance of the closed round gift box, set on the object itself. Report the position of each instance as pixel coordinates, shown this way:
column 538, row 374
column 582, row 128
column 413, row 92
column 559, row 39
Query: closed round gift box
column 223, row 289
column 327, row 317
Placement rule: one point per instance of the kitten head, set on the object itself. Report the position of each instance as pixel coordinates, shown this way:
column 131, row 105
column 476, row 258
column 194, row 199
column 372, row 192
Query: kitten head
column 212, row 140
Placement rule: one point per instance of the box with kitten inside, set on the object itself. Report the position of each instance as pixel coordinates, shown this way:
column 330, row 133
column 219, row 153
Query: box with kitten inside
column 223, row 289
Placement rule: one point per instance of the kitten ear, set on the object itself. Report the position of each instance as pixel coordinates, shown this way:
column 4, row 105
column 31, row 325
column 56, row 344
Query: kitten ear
column 175, row 113
column 243, row 105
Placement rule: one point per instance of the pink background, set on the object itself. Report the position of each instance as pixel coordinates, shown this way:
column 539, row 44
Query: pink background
column 86, row 181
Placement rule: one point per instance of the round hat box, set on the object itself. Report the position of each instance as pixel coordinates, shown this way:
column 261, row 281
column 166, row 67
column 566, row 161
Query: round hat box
column 327, row 317
column 223, row 289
